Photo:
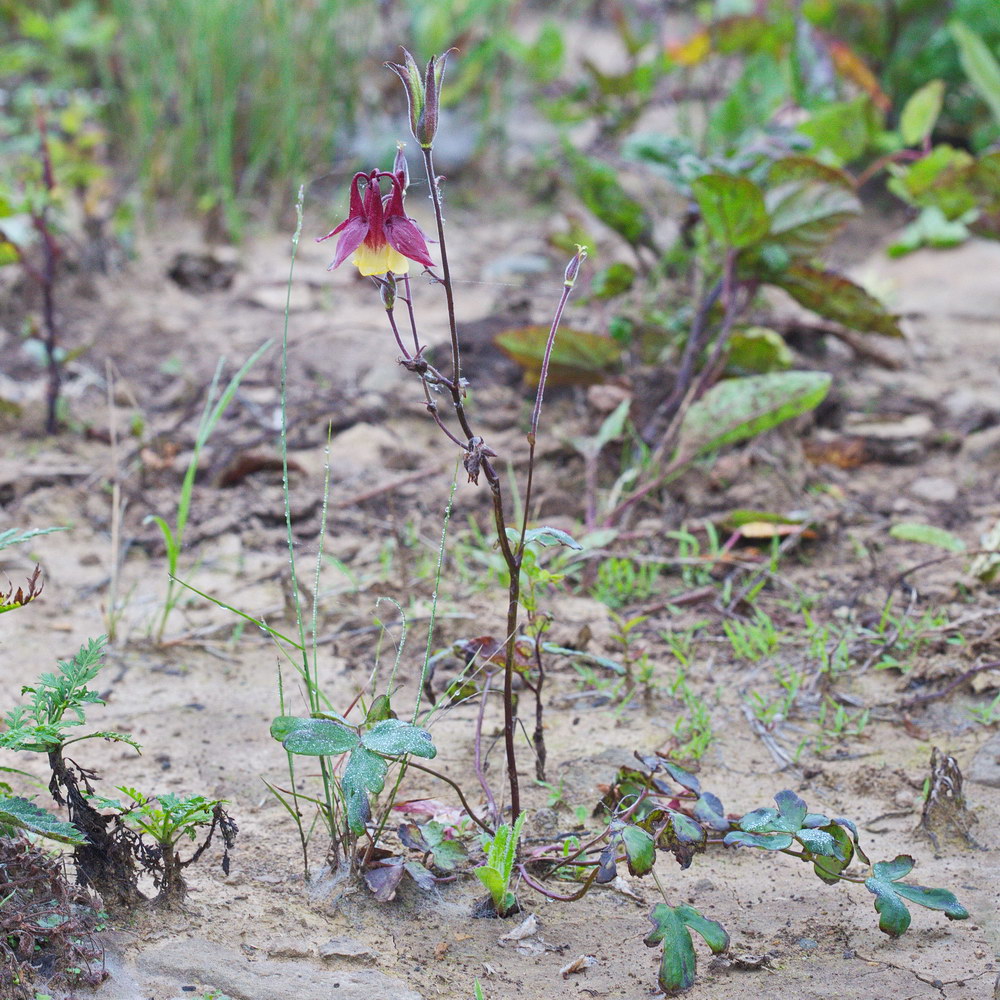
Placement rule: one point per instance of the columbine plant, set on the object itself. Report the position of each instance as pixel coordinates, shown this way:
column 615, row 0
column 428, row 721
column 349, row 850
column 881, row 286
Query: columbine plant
column 382, row 242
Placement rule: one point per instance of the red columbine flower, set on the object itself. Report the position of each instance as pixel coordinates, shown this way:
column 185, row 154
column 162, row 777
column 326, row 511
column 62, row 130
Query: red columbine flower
column 377, row 230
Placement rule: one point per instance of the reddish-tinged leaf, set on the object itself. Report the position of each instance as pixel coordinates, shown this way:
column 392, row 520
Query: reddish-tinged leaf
column 578, row 357
column 836, row 298
column 384, row 880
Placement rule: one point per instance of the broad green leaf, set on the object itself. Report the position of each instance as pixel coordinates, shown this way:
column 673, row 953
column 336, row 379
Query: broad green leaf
column 640, row 852
column 683, row 837
column 448, row 854
column 837, row 298
column 757, row 350
column 792, row 809
column 600, row 190
column 394, row 736
column 365, row 772
column 894, row 917
column 920, row 113
column 493, row 881
column 713, row 933
column 980, row 65
column 732, row 209
column 927, row 534
column 814, row 821
column 578, row 357
column 767, row 841
column 844, row 128
column 17, row 813
column 670, row 928
column 940, row 179
column 898, row 868
column 678, row 966
column 933, row 899
column 808, row 203
column 313, row 737
column 931, row 228
column 737, row 409
column 550, row 536
column 760, row 820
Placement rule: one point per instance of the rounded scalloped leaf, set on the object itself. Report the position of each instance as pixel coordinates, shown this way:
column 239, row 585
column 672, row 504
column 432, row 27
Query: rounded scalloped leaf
column 933, row 899
column 708, row 811
column 393, row 736
column 759, row 820
column 313, row 737
column 894, row 917
column 769, row 842
column 683, row 778
column 820, row 842
column 898, row 868
column 640, row 852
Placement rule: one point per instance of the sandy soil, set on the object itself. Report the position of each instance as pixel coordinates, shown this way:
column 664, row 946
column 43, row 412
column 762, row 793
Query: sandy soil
column 201, row 702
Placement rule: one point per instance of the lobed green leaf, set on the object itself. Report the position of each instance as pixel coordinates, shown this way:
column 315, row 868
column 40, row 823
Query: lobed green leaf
column 394, row 736
column 313, row 737
column 17, row 813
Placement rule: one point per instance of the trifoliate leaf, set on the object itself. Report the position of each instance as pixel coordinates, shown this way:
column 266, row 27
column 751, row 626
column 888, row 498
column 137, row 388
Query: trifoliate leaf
column 670, row 927
column 894, row 917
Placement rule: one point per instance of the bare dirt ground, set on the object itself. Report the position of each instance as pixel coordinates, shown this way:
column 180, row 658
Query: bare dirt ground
column 201, row 703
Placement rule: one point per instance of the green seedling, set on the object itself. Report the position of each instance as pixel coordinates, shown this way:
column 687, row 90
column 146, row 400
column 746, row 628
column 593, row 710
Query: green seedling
column 496, row 874
column 167, row 820
column 754, row 639
column 105, row 852
column 988, row 714
column 173, row 536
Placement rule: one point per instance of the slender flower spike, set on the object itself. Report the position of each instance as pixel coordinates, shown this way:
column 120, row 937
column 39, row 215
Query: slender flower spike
column 423, row 94
column 377, row 231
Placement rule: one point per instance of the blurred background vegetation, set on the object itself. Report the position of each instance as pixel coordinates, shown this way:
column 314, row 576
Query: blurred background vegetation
column 228, row 105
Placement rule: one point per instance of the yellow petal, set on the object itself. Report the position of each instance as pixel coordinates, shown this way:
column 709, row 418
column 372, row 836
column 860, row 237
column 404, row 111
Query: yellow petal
column 386, row 258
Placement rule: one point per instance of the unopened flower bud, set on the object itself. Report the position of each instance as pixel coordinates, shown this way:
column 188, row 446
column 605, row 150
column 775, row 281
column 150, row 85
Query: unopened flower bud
column 387, row 290
column 423, row 95
column 573, row 267
column 400, row 167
